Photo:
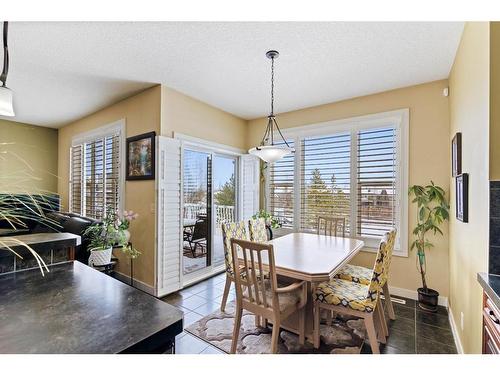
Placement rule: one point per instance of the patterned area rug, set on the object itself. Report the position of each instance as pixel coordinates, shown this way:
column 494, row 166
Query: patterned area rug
column 345, row 336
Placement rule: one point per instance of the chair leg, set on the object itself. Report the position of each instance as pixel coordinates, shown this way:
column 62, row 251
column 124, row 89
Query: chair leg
column 257, row 321
column 236, row 329
column 226, row 294
column 379, row 325
column 302, row 326
column 388, row 302
column 316, row 325
column 275, row 336
column 382, row 317
column 372, row 334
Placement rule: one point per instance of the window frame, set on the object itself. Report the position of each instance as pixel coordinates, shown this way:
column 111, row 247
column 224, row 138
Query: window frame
column 91, row 136
column 400, row 120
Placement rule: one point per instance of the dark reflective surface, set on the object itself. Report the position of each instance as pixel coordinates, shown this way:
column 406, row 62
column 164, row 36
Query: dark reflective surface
column 75, row 309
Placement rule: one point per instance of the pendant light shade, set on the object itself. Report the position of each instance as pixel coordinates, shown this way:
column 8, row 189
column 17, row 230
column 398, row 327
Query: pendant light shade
column 270, row 154
column 268, row 151
column 6, row 107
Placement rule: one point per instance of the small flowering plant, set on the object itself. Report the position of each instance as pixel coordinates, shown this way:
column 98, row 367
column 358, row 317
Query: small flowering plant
column 128, row 216
column 111, row 233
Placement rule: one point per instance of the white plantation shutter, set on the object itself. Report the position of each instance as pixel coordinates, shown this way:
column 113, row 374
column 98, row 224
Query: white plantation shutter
column 169, row 232
column 376, row 181
column 325, row 179
column 95, row 174
column 281, row 189
column 249, row 186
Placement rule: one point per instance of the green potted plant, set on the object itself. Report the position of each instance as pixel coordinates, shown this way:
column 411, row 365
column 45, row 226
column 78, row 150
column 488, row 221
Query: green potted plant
column 432, row 211
column 272, row 222
column 104, row 236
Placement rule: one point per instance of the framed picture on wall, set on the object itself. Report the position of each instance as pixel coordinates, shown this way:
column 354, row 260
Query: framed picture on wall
column 462, row 197
column 456, row 155
column 141, row 157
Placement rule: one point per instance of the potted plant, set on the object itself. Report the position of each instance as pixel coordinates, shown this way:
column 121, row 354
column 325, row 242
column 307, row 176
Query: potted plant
column 104, row 236
column 432, row 211
column 128, row 216
column 272, row 222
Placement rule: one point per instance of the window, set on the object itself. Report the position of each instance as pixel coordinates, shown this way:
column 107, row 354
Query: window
column 281, row 188
column 355, row 168
column 95, row 172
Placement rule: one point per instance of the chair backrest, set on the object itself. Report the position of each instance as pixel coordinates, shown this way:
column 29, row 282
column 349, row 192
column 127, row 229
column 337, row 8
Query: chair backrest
column 200, row 230
column 251, row 261
column 257, row 230
column 229, row 231
column 333, row 226
column 376, row 281
column 389, row 239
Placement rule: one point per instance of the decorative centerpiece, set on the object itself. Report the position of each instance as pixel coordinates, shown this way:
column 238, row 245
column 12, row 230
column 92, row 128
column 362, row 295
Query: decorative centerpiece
column 104, row 236
column 432, row 211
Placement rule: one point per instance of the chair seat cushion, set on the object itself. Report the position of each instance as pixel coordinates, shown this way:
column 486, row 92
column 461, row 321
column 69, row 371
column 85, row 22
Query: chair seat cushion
column 344, row 293
column 355, row 274
column 285, row 299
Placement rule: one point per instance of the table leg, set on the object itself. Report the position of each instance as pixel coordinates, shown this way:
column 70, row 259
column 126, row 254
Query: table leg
column 71, row 253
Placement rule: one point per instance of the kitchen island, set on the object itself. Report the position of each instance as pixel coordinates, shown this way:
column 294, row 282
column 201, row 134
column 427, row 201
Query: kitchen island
column 76, row 309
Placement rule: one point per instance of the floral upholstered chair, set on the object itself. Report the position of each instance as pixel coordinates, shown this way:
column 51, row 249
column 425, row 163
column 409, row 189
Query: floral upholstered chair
column 349, row 298
column 237, row 231
column 362, row 275
column 258, row 230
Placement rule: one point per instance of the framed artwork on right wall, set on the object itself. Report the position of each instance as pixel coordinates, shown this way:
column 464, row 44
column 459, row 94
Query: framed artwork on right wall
column 462, row 197
column 456, row 155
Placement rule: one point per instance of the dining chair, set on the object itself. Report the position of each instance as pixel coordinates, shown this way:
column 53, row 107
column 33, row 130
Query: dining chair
column 349, row 298
column 257, row 230
column 333, row 226
column 230, row 231
column 263, row 296
column 362, row 275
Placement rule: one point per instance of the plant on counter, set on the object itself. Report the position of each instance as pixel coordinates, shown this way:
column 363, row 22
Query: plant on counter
column 432, row 211
column 109, row 233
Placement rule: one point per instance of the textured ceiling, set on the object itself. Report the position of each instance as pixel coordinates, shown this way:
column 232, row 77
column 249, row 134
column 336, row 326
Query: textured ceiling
column 60, row 72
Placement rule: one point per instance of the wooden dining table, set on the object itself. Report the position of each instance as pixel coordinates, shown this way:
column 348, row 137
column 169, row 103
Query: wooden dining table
column 311, row 258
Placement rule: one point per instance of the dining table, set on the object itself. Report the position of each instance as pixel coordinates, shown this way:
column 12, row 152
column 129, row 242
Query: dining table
column 312, row 258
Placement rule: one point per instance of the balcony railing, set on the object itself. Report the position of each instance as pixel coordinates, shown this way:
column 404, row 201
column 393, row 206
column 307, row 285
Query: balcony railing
column 222, row 213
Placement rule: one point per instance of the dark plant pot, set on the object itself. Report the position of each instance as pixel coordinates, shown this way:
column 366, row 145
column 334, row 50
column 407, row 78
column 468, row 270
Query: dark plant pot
column 428, row 299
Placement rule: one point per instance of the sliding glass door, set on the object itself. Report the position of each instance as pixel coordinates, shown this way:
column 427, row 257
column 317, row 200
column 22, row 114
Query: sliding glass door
column 197, row 195
column 224, row 177
column 210, row 198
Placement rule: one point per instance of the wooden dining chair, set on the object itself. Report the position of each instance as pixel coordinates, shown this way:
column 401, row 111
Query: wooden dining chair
column 362, row 275
column 262, row 296
column 333, row 226
column 349, row 298
column 257, row 230
column 230, row 231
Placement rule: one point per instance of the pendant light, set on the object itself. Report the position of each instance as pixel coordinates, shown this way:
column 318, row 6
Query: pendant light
column 268, row 151
column 6, row 107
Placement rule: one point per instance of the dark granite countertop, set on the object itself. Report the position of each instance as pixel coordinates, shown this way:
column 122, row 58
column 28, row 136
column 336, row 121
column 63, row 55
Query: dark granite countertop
column 76, row 309
column 491, row 285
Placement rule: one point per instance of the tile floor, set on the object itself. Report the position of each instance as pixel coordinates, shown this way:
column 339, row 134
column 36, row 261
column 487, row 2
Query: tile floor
column 413, row 331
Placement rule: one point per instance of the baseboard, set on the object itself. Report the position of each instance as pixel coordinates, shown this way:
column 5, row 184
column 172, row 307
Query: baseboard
column 412, row 294
column 454, row 331
column 136, row 283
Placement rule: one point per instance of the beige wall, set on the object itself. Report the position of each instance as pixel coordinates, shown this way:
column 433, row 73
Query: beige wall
column 494, row 164
column 429, row 160
column 183, row 114
column 469, row 114
column 142, row 114
column 31, row 150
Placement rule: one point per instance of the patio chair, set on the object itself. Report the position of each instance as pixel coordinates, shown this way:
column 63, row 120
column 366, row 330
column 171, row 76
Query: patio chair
column 197, row 237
